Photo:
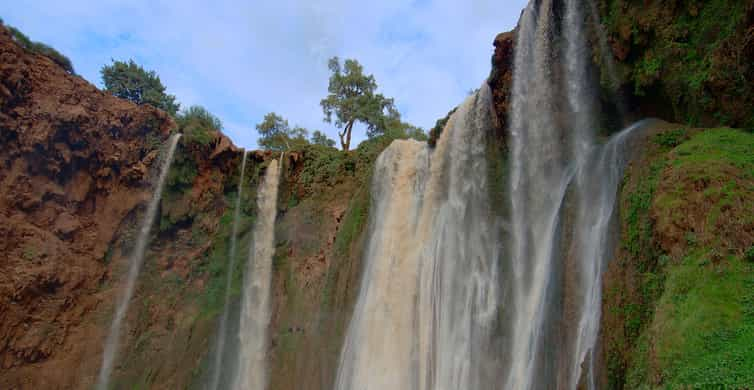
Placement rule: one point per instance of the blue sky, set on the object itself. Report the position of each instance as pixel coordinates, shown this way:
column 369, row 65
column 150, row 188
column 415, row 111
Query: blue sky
column 242, row 59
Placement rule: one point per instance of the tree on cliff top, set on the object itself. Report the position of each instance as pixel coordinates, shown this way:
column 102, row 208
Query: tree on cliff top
column 320, row 138
column 352, row 99
column 197, row 124
column 276, row 134
column 128, row 80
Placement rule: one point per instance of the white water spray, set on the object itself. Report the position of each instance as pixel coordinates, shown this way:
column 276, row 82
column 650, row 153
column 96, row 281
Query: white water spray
column 255, row 305
column 428, row 298
column 135, row 263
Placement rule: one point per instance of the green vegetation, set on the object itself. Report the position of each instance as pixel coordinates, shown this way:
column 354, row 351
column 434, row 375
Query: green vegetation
column 687, row 55
column 691, row 322
column 320, row 138
column 434, row 133
column 128, row 80
column 352, row 98
column 40, row 48
column 276, row 134
column 198, row 125
column 671, row 138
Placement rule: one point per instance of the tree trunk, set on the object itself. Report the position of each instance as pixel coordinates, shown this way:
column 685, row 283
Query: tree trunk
column 345, row 136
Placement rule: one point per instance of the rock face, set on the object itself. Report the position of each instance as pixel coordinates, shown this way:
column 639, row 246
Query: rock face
column 75, row 171
column 501, row 76
column 685, row 61
column 74, row 163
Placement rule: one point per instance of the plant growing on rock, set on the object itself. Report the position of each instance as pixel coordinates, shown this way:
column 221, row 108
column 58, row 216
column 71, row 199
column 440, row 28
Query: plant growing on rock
column 128, row 80
column 197, row 124
column 276, row 134
column 40, row 48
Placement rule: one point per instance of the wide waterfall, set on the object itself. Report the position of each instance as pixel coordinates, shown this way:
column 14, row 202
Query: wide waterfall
column 450, row 301
column 255, row 305
column 135, row 262
column 429, row 295
column 222, row 328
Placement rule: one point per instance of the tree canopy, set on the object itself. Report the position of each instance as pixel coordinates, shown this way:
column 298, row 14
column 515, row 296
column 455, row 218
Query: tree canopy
column 276, row 134
column 352, row 98
column 320, row 138
column 197, row 124
column 128, row 80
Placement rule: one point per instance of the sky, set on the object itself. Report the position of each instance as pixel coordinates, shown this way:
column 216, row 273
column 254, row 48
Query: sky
column 243, row 59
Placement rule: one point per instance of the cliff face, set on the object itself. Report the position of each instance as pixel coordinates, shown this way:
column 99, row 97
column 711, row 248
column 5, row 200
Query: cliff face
column 76, row 166
column 75, row 171
column 74, row 163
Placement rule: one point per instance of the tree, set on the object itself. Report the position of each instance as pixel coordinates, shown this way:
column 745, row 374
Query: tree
column 352, row 99
column 276, row 134
column 391, row 126
column 197, row 124
column 128, row 80
column 320, row 138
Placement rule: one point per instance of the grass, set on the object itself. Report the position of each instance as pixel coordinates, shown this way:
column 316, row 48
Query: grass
column 701, row 301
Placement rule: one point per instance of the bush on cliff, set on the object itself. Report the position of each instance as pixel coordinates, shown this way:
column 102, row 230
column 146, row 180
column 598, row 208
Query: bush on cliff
column 197, row 125
column 128, row 80
column 40, row 48
column 276, row 134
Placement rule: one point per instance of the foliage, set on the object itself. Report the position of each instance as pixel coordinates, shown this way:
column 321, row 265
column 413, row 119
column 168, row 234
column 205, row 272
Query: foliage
column 128, row 80
column 690, row 53
column 41, row 49
column 434, row 133
column 700, row 301
column 672, row 138
column 320, row 138
column 276, row 134
column 391, row 126
column 197, row 125
column 352, row 98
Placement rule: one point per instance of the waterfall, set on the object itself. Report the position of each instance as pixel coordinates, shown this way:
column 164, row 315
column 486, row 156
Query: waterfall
column 255, row 305
column 557, row 258
column 135, row 262
column 428, row 298
column 222, row 329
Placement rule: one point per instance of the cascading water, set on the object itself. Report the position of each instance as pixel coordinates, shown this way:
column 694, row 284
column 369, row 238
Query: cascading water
column 255, row 305
column 222, row 329
column 429, row 297
column 557, row 261
column 439, row 307
column 135, row 262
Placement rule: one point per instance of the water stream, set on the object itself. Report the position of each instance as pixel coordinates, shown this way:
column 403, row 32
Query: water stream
column 135, row 262
column 255, row 301
column 223, row 326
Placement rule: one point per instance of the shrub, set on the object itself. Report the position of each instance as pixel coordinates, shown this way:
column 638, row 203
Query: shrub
column 128, row 80
column 41, row 49
column 197, row 125
column 671, row 139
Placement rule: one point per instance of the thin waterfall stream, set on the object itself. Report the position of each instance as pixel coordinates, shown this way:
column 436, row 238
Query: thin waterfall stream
column 255, row 301
column 135, row 263
column 222, row 328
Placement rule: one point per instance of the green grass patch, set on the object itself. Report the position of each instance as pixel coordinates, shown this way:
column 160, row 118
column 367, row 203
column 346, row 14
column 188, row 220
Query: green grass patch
column 701, row 325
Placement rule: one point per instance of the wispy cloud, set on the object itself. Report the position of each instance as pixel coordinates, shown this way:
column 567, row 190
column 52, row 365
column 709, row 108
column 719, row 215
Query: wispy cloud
column 243, row 59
